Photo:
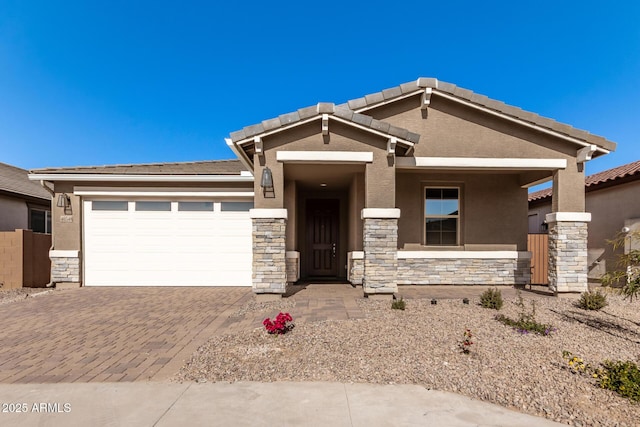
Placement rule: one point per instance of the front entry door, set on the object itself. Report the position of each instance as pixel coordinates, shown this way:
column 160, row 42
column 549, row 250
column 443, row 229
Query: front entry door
column 322, row 236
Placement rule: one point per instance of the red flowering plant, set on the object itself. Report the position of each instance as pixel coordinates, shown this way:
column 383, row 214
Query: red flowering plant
column 280, row 325
column 465, row 345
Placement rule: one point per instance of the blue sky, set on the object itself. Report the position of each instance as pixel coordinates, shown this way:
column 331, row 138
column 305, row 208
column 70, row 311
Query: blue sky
column 92, row 83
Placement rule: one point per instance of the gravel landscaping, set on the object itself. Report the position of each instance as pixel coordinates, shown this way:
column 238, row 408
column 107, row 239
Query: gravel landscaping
column 421, row 345
column 20, row 294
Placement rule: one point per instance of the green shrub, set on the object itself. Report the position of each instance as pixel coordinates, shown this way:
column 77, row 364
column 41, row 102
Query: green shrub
column 621, row 377
column 398, row 304
column 592, row 300
column 526, row 320
column 491, row 298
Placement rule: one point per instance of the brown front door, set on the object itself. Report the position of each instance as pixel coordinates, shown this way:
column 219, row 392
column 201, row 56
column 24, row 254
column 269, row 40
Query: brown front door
column 322, row 236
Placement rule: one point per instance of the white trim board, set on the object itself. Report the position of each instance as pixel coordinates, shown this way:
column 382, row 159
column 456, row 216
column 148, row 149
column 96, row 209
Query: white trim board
column 568, row 217
column 93, row 177
column 464, row 254
column 58, row 253
column 324, row 156
column 134, row 193
column 479, row 163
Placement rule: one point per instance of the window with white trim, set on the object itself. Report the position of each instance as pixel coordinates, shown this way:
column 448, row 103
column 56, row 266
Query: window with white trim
column 40, row 220
column 441, row 216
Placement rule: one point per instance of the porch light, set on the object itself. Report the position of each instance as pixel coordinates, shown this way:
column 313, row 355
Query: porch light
column 64, row 201
column 267, row 184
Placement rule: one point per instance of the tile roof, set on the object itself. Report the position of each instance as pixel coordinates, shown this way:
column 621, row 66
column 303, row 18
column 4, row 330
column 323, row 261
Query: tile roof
column 371, row 100
column 316, row 111
column 212, row 167
column 597, row 179
column 16, row 181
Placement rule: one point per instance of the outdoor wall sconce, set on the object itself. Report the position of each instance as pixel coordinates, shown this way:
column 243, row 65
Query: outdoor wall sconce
column 64, row 201
column 267, row 184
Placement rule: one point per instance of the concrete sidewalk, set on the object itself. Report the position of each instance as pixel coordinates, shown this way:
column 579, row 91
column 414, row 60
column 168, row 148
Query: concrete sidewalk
column 247, row 404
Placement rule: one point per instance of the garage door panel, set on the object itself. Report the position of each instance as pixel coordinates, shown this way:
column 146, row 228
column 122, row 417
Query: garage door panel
column 176, row 248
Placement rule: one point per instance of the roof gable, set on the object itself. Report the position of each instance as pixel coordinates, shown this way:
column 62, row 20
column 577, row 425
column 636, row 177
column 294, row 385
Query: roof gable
column 428, row 87
column 316, row 112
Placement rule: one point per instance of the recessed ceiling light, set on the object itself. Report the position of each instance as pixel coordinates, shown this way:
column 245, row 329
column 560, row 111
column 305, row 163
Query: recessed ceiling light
column 324, row 184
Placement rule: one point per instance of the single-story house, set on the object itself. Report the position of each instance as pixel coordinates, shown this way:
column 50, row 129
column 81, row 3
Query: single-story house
column 423, row 183
column 24, row 204
column 613, row 199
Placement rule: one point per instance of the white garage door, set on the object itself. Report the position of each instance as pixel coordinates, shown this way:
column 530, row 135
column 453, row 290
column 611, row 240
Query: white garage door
column 167, row 243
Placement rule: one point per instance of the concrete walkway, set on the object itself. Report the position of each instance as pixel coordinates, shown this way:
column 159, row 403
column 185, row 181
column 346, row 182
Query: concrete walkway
column 248, row 404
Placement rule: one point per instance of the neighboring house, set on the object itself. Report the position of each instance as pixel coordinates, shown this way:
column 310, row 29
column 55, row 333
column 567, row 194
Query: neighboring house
column 613, row 199
column 424, row 183
column 24, row 204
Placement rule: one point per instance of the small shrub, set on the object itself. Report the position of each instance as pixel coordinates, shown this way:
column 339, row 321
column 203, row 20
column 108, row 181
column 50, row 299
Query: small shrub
column 465, row 344
column 398, row 304
column 576, row 364
column 280, row 325
column 592, row 300
column 491, row 298
column 526, row 320
column 621, row 377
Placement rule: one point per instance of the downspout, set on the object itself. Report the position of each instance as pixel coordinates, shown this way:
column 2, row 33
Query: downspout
column 53, row 198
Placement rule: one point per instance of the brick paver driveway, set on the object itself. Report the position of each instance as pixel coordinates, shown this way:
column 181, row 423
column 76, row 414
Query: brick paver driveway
column 109, row 334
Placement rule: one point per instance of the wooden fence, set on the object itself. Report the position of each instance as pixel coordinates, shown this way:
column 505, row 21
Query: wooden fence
column 24, row 259
column 538, row 245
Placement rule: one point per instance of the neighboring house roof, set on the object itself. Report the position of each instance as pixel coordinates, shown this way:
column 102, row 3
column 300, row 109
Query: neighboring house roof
column 618, row 175
column 15, row 181
column 352, row 110
column 212, row 167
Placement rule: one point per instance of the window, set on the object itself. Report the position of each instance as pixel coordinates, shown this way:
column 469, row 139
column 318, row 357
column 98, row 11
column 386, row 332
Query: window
column 441, row 216
column 195, row 206
column 40, row 221
column 108, row 205
column 153, row 206
column 236, row 206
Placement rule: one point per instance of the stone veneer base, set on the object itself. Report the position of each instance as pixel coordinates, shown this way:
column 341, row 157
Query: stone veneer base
column 470, row 271
column 269, row 257
column 380, row 244
column 65, row 269
column 568, row 256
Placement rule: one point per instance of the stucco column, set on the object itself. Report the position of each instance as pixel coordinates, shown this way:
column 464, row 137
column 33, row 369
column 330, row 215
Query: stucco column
column 269, row 252
column 380, row 245
column 568, row 266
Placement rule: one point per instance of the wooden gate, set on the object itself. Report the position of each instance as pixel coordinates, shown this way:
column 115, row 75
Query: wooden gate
column 538, row 245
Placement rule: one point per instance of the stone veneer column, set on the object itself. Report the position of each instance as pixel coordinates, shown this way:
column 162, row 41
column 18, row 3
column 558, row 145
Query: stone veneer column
column 380, row 244
column 568, row 251
column 65, row 268
column 269, row 256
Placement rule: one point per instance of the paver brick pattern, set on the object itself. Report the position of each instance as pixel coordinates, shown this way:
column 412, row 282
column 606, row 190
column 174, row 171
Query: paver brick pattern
column 147, row 333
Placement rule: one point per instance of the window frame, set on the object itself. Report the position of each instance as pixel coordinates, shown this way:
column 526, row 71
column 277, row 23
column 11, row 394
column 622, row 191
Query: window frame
column 458, row 217
column 48, row 219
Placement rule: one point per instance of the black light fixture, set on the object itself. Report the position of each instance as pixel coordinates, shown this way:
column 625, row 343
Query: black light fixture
column 267, row 184
column 64, row 201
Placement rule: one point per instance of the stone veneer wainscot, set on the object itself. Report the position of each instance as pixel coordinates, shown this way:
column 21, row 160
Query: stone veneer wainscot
column 269, row 256
column 65, row 266
column 568, row 267
column 380, row 244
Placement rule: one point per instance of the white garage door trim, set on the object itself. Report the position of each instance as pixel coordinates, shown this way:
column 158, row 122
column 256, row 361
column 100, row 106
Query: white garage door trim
column 166, row 248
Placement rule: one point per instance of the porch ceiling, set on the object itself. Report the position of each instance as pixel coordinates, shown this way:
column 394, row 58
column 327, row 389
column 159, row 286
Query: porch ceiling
column 336, row 177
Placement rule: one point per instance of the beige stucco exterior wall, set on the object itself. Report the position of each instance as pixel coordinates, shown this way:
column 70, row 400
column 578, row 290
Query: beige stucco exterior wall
column 379, row 183
column 449, row 129
column 493, row 209
column 14, row 214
